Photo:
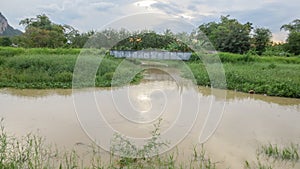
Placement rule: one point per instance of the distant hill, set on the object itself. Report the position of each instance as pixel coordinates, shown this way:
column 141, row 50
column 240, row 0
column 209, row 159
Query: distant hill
column 6, row 29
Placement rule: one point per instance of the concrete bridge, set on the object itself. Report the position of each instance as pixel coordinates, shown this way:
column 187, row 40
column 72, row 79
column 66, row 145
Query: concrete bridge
column 155, row 55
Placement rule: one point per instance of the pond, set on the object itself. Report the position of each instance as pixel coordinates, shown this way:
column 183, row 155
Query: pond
column 248, row 120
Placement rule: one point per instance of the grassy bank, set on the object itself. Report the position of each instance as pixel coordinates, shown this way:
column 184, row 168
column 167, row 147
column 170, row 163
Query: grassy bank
column 273, row 76
column 9, row 51
column 53, row 68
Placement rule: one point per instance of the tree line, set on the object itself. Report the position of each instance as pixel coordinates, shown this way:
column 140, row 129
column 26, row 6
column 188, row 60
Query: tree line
column 227, row 35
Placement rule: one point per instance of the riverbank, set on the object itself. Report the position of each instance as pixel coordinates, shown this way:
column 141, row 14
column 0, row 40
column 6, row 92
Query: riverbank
column 53, row 68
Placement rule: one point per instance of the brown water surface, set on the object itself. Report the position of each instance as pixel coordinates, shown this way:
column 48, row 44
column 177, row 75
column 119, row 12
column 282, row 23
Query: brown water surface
column 248, row 122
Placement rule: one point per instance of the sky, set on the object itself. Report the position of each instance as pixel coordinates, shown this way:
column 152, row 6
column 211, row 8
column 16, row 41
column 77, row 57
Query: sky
column 86, row 15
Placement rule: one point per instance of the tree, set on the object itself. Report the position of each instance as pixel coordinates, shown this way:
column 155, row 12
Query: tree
column 293, row 40
column 229, row 35
column 41, row 32
column 293, row 43
column 5, row 41
column 78, row 40
column 294, row 26
column 261, row 39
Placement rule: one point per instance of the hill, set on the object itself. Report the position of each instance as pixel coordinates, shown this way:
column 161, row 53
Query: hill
column 6, row 29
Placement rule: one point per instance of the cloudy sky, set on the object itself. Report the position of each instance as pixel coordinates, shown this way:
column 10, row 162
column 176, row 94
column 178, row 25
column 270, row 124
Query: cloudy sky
column 87, row 15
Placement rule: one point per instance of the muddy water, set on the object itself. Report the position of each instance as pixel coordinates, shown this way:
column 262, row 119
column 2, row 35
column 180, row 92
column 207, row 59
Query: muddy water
column 248, row 122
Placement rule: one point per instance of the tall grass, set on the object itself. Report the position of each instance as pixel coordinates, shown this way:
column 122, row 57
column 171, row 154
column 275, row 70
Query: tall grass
column 9, row 51
column 53, row 68
column 54, row 71
column 271, row 155
column 262, row 77
column 289, row 153
column 246, row 58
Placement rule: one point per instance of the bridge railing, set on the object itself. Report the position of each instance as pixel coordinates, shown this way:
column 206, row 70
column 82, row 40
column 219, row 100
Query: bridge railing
column 158, row 55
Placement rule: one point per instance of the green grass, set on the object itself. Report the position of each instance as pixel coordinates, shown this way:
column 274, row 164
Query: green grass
column 258, row 165
column 273, row 76
column 271, row 155
column 9, row 51
column 55, row 71
column 53, row 68
column 289, row 153
column 246, row 58
column 238, row 58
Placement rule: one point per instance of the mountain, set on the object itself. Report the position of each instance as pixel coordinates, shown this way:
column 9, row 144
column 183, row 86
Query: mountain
column 6, row 29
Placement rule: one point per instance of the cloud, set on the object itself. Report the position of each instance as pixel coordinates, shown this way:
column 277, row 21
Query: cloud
column 103, row 5
column 270, row 15
column 93, row 14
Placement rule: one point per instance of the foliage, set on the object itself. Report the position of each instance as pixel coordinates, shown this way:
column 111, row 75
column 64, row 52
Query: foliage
column 229, row 35
column 293, row 43
column 10, row 51
column 52, row 70
column 77, row 40
column 293, row 40
column 107, row 38
column 248, row 58
column 31, row 152
column 258, row 165
column 275, row 154
column 289, row 153
column 274, row 76
column 5, row 41
column 151, row 40
column 276, row 49
column 41, row 32
column 138, row 156
column 261, row 39
column 294, row 26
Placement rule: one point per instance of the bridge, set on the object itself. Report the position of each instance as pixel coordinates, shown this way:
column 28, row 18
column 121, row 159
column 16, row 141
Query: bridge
column 155, row 55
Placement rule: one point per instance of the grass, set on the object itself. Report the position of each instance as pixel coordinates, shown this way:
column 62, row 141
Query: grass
column 235, row 58
column 50, row 70
column 289, row 153
column 258, row 165
column 53, row 68
column 9, row 51
column 273, row 76
column 269, row 156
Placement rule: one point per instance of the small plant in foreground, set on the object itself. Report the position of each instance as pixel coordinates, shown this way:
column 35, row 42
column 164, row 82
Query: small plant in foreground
column 258, row 165
column 289, row 153
column 126, row 153
column 201, row 160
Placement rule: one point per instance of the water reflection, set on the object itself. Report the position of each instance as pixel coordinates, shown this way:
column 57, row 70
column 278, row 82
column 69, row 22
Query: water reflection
column 249, row 120
column 35, row 93
column 155, row 75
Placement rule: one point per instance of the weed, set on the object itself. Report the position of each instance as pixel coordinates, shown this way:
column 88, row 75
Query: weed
column 55, row 71
column 276, row 80
column 289, row 153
